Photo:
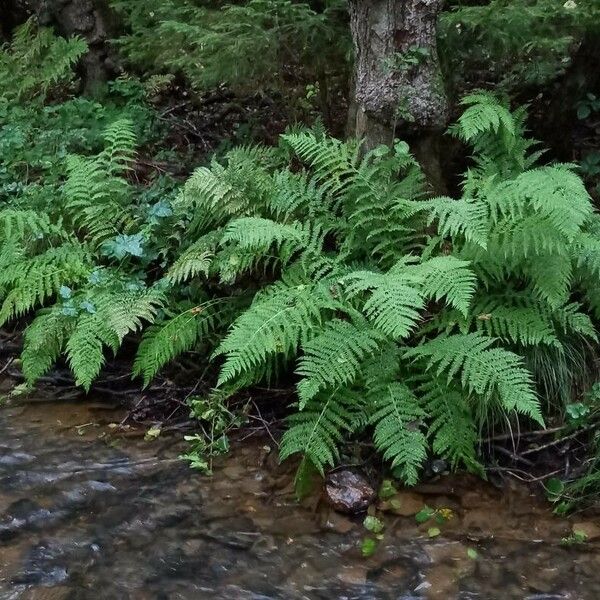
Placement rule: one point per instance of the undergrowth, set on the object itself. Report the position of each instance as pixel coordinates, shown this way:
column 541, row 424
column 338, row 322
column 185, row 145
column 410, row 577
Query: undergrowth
column 420, row 322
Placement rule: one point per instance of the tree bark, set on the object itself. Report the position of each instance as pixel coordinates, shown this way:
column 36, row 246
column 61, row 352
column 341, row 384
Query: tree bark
column 399, row 87
column 90, row 19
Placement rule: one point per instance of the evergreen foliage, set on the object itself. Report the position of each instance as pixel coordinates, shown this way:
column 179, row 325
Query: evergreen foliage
column 280, row 45
column 35, row 61
column 516, row 43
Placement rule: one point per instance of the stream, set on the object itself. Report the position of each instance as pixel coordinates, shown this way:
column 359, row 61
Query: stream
column 86, row 514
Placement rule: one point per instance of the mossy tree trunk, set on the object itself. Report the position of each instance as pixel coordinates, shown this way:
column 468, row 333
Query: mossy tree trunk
column 398, row 85
column 90, row 19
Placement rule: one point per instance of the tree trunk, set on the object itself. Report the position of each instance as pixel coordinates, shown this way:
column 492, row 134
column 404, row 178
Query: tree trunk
column 90, row 19
column 399, row 88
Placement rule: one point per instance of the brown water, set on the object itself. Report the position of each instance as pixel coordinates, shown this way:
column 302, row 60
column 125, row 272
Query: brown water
column 85, row 516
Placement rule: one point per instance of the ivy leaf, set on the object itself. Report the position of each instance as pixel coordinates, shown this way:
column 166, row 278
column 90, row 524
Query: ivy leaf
column 123, row 245
column 65, row 292
column 160, row 210
column 88, row 307
column 68, row 309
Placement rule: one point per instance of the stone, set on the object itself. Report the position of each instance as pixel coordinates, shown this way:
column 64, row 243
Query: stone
column 338, row 523
column 353, row 575
column 403, row 504
column 589, row 528
column 348, row 491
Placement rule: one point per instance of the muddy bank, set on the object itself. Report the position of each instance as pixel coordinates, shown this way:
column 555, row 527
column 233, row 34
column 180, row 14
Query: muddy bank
column 87, row 514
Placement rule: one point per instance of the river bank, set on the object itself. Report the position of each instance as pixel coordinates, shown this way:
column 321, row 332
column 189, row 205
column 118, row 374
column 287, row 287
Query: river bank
column 87, row 513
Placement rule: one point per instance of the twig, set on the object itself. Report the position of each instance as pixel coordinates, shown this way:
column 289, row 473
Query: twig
column 265, row 424
column 5, row 367
column 560, row 441
column 539, row 432
column 528, row 478
column 514, row 456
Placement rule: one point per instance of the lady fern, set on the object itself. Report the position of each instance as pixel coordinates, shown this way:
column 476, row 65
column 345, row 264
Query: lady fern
column 344, row 271
column 410, row 319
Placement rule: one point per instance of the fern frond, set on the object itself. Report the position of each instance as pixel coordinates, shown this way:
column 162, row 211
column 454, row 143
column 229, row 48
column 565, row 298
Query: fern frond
column 112, row 315
column 37, row 279
column 554, row 193
column 463, row 217
column 276, row 323
column 119, row 150
column 446, row 277
column 394, row 303
column 22, row 224
column 332, row 161
column 489, row 373
column 452, row 425
column 318, row 429
column 164, row 341
column 259, row 234
column 333, row 358
column 44, row 342
column 195, row 260
column 398, row 419
column 484, row 114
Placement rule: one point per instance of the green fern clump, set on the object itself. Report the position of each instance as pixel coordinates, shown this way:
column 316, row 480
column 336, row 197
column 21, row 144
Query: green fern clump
column 35, row 61
column 528, row 233
column 419, row 321
column 412, row 318
column 75, row 263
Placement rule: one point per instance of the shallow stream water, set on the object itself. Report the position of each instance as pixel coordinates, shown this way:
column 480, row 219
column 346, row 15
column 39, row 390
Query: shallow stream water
column 88, row 515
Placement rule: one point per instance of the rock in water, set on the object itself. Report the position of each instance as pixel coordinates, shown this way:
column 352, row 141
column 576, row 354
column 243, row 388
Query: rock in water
column 348, row 491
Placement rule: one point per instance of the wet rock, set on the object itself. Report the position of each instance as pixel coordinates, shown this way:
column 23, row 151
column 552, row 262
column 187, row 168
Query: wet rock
column 441, row 583
column 403, row 504
column 16, row 459
column 543, row 580
column 473, row 499
column 482, row 520
column 435, row 467
column 338, row 523
column 589, row 528
column 348, row 491
column 353, row 575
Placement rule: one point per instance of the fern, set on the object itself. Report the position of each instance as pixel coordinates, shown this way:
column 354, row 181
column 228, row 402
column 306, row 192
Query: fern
column 398, row 420
column 333, row 358
column 44, row 342
column 96, row 193
column 258, row 234
column 108, row 318
column 317, row 430
column 164, row 341
column 32, row 282
column 276, row 323
column 394, row 303
column 485, row 114
column 452, row 429
column 493, row 374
